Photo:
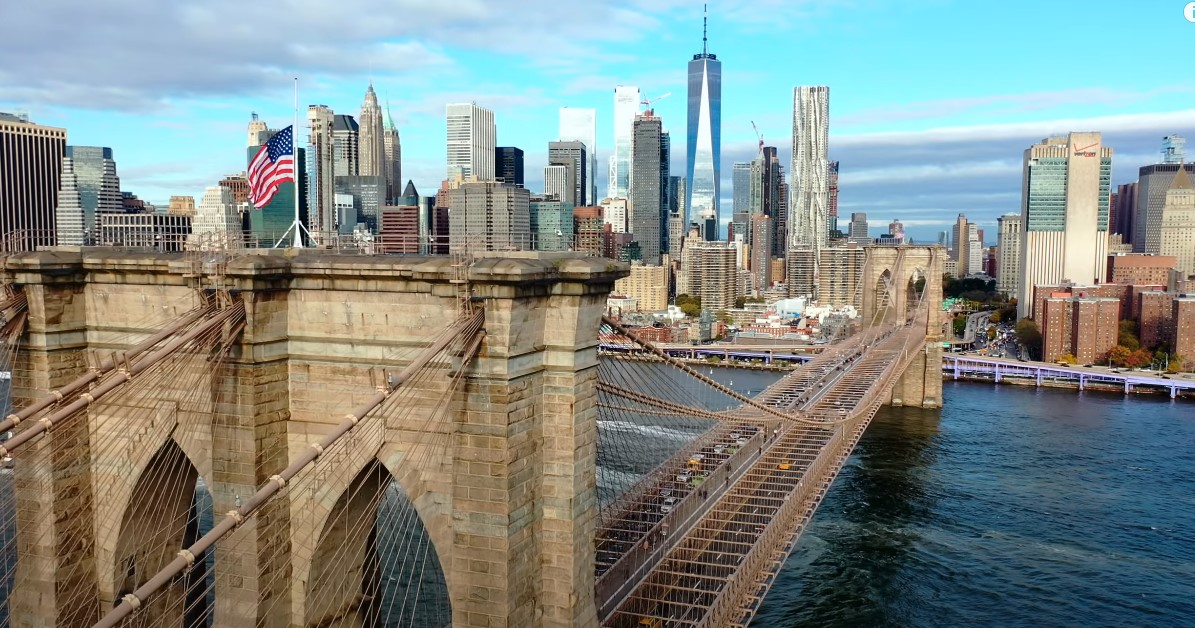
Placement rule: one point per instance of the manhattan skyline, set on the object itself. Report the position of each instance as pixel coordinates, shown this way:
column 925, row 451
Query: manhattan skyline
column 933, row 104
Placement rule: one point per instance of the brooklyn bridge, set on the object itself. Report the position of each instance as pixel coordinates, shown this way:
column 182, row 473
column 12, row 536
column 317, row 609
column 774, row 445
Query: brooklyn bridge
column 299, row 438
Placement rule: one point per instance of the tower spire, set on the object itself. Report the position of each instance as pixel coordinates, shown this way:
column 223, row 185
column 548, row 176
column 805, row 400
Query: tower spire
column 704, row 28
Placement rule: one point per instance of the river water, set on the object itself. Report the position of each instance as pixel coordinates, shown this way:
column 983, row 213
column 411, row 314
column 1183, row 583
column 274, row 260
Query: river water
column 1011, row 506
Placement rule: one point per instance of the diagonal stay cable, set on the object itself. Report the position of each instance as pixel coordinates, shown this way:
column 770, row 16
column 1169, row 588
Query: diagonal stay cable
column 104, row 367
column 693, row 373
column 676, row 408
column 466, row 327
column 124, row 375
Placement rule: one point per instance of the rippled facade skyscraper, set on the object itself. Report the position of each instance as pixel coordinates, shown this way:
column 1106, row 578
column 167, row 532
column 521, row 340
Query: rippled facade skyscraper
column 704, row 145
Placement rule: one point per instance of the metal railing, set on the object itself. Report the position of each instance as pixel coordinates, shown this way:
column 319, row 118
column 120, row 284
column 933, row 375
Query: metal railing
column 355, row 243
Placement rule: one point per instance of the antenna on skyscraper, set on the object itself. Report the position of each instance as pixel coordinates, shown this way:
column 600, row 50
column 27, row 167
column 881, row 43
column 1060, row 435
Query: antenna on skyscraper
column 704, row 28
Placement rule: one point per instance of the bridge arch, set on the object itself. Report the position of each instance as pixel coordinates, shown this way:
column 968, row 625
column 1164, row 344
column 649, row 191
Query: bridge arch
column 375, row 506
column 883, row 299
column 159, row 459
column 160, row 517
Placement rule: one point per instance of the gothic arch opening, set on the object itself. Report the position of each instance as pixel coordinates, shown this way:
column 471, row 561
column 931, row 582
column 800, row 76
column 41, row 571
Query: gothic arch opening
column 169, row 509
column 884, row 298
column 914, row 289
column 374, row 565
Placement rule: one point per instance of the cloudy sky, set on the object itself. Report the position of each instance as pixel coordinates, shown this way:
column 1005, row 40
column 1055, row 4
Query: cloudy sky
column 932, row 101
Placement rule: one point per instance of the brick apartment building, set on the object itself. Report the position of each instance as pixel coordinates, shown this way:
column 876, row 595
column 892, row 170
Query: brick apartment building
column 1083, row 326
column 1140, row 269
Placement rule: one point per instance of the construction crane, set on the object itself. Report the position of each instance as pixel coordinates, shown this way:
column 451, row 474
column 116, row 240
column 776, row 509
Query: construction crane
column 647, row 103
column 758, row 136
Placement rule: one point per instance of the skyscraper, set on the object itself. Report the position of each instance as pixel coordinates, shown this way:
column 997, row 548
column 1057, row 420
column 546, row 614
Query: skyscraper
column 859, row 229
column 1152, row 187
column 626, row 107
column 741, row 182
column 30, row 175
column 678, row 219
column 960, row 250
column 575, row 155
column 643, row 219
column 1064, row 207
column 258, row 131
column 832, row 196
column 1173, row 149
column 346, row 152
column 580, row 125
column 551, row 224
column 809, row 215
column 392, row 158
column 1178, row 224
column 472, row 140
column 705, row 137
column 559, row 183
column 371, row 150
column 498, row 216
column 217, row 223
column 509, row 166
column 665, row 178
column 1008, row 253
column 89, row 188
column 974, row 250
column 321, row 171
column 710, row 272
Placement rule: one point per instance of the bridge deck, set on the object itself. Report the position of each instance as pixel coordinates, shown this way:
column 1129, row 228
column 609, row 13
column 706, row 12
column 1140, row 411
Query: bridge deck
column 720, row 556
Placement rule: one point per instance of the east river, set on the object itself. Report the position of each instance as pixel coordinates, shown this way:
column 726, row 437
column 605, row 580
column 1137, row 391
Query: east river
column 1011, row 506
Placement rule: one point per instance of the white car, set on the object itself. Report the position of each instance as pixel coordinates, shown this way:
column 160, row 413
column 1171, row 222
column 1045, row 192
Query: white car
column 668, row 505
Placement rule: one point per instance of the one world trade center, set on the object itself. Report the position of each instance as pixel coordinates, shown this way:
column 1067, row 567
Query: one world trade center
column 704, row 139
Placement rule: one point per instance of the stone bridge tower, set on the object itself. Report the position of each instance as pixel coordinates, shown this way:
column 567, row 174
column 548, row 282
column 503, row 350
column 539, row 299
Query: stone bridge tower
column 891, row 277
column 509, row 504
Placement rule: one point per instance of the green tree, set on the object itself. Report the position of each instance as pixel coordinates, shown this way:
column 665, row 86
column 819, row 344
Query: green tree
column 960, row 325
column 1177, row 362
column 1029, row 335
column 725, row 318
column 690, row 305
column 739, row 302
column 1128, row 335
column 991, row 332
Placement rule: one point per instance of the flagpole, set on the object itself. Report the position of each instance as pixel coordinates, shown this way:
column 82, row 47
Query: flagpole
column 294, row 147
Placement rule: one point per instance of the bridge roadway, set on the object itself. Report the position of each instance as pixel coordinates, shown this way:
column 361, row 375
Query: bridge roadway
column 731, row 519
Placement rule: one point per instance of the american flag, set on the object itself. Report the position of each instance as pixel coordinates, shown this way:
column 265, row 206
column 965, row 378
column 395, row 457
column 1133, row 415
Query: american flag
column 273, row 165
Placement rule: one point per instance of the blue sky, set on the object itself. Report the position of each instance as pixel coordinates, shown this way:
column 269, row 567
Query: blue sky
column 932, row 101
